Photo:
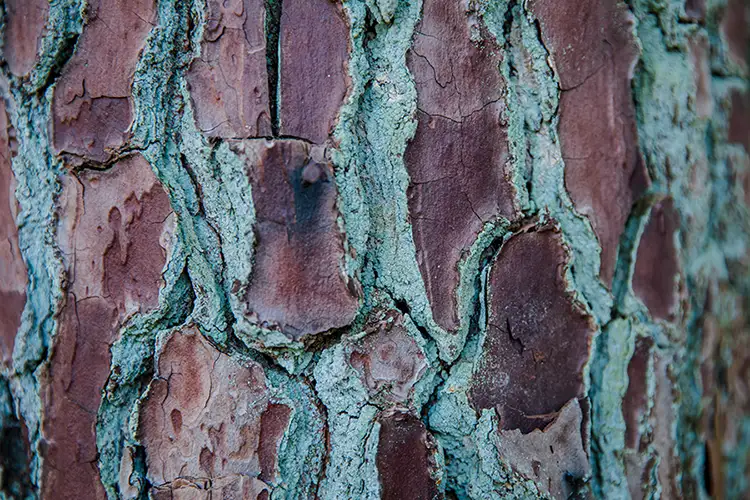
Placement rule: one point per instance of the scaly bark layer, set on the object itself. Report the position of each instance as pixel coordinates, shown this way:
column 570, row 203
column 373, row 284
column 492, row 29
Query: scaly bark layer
column 375, row 249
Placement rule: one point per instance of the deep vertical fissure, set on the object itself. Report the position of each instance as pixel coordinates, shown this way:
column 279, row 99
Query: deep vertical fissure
column 273, row 63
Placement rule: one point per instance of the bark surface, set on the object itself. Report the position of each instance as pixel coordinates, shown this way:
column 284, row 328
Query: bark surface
column 374, row 249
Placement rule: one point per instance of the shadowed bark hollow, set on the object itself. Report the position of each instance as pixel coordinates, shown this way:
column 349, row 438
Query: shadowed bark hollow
column 398, row 249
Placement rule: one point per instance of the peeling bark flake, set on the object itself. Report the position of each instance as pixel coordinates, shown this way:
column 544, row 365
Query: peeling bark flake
column 595, row 58
column 456, row 161
column 229, row 82
column 110, row 232
column 92, row 101
column 553, row 457
column 538, row 339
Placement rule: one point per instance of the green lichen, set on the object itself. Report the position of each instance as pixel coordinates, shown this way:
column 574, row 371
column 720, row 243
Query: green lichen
column 610, row 382
column 688, row 158
column 37, row 175
column 63, row 27
column 37, row 172
column 352, row 426
column 373, row 130
column 532, row 99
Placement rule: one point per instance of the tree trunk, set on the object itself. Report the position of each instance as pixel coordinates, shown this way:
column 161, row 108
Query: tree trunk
column 394, row 249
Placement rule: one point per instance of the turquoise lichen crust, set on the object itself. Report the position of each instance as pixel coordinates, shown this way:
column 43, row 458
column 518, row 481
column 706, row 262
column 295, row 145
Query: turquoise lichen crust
column 132, row 362
column 374, row 127
column 538, row 167
column 474, row 468
column 479, row 461
column 609, row 385
column 63, row 27
column 157, row 132
column 37, row 174
column 688, row 89
column 356, row 393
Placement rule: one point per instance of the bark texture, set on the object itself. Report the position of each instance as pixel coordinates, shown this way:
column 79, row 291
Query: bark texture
column 375, row 249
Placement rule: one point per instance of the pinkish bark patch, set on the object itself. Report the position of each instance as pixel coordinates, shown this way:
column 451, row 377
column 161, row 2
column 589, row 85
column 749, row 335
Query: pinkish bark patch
column 538, row 338
column 207, row 422
column 700, row 54
column 12, row 267
column 656, row 264
column 663, row 420
column 110, row 231
column 695, row 9
column 229, row 81
column 92, row 101
column 735, row 29
column 594, row 52
column 635, row 402
column 314, row 51
column 25, row 24
column 739, row 119
column 456, row 160
column 388, row 360
column 298, row 284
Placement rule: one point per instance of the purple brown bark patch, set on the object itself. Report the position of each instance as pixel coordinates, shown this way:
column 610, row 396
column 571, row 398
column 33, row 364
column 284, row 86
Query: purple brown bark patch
column 695, row 9
column 25, row 23
column 656, row 264
column 538, row 338
column 456, row 160
column 92, row 101
column 207, row 423
column 389, row 361
column 12, row 267
column 273, row 423
column 553, row 457
column 298, row 284
column 635, row 402
column 700, row 54
column 739, row 119
column 734, row 27
column 594, row 52
column 312, row 73
column 111, row 226
column 229, row 81
column 405, row 459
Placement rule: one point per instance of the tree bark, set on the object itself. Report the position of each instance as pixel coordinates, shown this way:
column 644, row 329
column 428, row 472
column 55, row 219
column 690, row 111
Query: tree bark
column 375, row 249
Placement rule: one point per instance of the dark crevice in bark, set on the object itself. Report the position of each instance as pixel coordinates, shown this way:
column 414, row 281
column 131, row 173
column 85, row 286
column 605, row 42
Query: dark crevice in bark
column 67, row 49
column 15, row 455
column 507, row 33
column 310, row 382
column 273, row 22
column 626, row 253
column 140, row 468
column 475, row 320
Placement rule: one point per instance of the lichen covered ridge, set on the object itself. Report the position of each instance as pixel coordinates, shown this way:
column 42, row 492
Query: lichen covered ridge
column 371, row 249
